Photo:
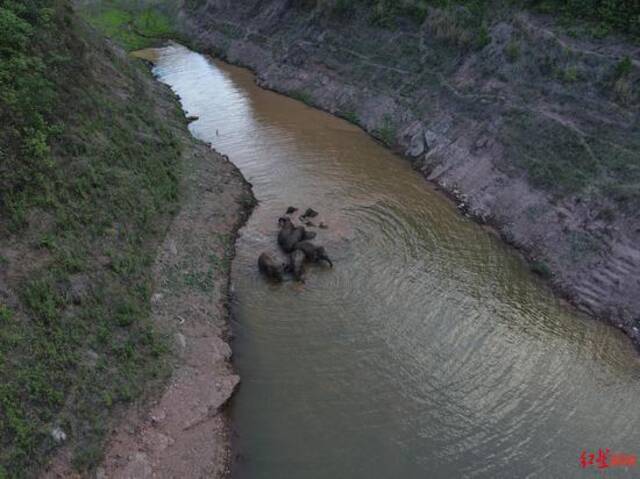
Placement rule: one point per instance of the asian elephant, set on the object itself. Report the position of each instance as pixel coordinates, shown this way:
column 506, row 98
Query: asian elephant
column 269, row 267
column 290, row 234
column 313, row 253
column 296, row 264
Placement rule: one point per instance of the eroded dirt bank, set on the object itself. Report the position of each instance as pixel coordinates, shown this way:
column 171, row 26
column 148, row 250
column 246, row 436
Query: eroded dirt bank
column 535, row 132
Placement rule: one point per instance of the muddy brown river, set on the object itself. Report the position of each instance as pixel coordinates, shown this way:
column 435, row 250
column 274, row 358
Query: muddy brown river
column 430, row 351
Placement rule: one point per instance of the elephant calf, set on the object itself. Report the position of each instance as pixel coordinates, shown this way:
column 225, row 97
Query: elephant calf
column 313, row 253
column 296, row 264
column 270, row 267
column 289, row 235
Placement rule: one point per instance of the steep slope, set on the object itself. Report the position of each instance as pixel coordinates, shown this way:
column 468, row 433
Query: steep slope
column 533, row 128
column 92, row 156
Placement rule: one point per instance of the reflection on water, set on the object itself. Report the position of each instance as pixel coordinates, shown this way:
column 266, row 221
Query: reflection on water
column 429, row 351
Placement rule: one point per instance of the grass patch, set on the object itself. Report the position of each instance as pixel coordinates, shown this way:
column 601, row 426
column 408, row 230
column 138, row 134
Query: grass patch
column 558, row 161
column 134, row 29
column 570, row 74
column 351, row 116
column 303, row 96
column 512, row 51
column 460, row 21
column 387, row 132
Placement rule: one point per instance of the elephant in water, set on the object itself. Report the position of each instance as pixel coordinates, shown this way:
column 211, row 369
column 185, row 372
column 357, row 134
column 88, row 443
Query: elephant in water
column 296, row 264
column 290, row 234
column 313, row 253
column 271, row 268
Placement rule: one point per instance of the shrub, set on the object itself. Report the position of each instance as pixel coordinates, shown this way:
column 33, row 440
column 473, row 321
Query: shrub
column 26, row 99
column 542, row 269
column 619, row 15
column 303, row 96
column 570, row 74
column 623, row 68
column 387, row 132
column 512, row 51
column 351, row 116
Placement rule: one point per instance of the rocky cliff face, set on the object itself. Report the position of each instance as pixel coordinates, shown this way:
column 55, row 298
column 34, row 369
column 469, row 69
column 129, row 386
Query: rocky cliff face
column 531, row 130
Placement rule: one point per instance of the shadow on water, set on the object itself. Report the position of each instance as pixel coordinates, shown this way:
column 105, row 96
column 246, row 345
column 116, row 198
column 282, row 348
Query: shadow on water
column 429, row 351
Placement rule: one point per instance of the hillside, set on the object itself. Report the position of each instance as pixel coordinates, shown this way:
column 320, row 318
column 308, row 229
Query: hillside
column 92, row 159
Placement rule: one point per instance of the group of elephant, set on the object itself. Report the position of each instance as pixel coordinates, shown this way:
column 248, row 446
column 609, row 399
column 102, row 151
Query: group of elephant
column 295, row 241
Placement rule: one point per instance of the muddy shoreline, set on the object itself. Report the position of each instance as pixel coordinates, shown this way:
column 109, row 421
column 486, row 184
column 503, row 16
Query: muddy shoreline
column 589, row 262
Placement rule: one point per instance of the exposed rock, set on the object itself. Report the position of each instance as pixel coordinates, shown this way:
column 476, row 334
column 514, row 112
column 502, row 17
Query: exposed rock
column 58, row 435
column 181, row 341
column 414, row 138
column 156, row 298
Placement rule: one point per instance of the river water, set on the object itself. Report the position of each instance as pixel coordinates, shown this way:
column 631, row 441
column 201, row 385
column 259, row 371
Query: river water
column 429, row 351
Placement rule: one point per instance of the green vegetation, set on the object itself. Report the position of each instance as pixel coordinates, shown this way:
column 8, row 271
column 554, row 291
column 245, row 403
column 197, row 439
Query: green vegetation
column 133, row 28
column 558, row 161
column 604, row 16
column 512, row 51
column 570, row 74
column 88, row 182
column 622, row 85
column 565, row 161
column 623, row 68
column 387, row 132
column 303, row 96
column 351, row 116
column 26, row 100
column 541, row 268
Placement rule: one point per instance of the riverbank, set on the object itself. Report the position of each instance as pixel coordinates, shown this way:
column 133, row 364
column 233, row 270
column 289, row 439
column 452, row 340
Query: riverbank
column 184, row 431
column 533, row 131
column 98, row 168
column 182, row 428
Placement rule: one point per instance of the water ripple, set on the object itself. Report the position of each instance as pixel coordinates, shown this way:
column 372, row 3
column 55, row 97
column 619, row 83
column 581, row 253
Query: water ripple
column 429, row 351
